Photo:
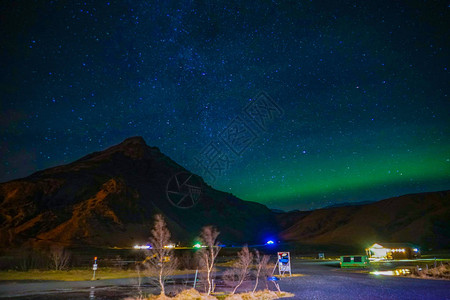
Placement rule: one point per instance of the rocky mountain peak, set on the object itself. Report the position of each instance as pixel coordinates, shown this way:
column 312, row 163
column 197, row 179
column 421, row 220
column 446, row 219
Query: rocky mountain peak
column 132, row 147
column 133, row 141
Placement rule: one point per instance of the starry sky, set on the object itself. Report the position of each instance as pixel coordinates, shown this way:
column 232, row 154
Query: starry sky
column 355, row 94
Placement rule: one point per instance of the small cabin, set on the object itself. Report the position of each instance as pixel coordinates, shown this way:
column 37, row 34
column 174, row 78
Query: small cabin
column 354, row 261
column 393, row 251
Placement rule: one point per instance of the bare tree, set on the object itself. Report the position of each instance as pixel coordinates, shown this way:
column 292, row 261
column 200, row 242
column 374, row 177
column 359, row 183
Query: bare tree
column 267, row 271
column 242, row 266
column 188, row 261
column 32, row 259
column 59, row 257
column 261, row 267
column 161, row 259
column 208, row 238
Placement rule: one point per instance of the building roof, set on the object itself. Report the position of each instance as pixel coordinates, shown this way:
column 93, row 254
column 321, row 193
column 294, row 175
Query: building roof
column 395, row 245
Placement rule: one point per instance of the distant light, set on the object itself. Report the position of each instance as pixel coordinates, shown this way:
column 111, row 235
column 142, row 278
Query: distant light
column 398, row 272
column 416, row 250
column 388, row 273
column 270, row 242
column 198, row 245
column 171, row 246
column 143, row 247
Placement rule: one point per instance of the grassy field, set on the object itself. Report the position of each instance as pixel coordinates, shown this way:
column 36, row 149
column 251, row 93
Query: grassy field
column 74, row 275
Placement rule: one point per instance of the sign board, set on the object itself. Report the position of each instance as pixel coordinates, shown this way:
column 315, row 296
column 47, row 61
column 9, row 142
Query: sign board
column 284, row 263
column 94, row 267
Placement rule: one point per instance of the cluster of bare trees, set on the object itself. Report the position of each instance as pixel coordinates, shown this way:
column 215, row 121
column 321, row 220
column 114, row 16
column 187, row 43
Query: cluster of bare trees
column 161, row 262
column 248, row 266
column 59, row 257
column 53, row 257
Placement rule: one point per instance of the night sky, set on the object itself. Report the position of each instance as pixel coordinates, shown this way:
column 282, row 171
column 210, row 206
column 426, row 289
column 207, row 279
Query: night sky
column 353, row 96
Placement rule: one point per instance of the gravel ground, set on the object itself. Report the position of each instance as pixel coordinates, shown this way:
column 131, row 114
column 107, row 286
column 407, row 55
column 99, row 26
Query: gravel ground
column 327, row 281
column 321, row 280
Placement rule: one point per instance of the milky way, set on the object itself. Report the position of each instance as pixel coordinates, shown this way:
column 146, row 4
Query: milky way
column 361, row 89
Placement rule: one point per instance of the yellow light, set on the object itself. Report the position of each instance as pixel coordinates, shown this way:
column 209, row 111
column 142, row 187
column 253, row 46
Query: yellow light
column 388, row 273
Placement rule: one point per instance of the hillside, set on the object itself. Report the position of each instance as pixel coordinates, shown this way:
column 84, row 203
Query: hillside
column 423, row 219
column 109, row 198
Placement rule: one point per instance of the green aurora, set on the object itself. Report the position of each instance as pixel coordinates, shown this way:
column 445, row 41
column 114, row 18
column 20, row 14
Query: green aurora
column 300, row 183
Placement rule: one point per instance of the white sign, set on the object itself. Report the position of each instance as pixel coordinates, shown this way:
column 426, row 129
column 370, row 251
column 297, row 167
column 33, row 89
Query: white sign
column 284, row 263
column 94, row 267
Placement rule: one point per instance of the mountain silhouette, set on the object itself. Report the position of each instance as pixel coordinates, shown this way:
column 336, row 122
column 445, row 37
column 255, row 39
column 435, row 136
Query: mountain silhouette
column 422, row 219
column 109, row 199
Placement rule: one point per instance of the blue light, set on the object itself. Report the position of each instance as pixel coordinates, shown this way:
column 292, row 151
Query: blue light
column 270, row 242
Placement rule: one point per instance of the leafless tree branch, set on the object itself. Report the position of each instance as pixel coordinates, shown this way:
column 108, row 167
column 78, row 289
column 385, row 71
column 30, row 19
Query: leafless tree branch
column 160, row 260
column 261, row 267
column 208, row 238
column 240, row 270
column 59, row 256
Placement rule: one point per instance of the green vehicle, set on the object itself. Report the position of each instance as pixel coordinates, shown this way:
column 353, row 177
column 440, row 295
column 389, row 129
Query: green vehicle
column 354, row 261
